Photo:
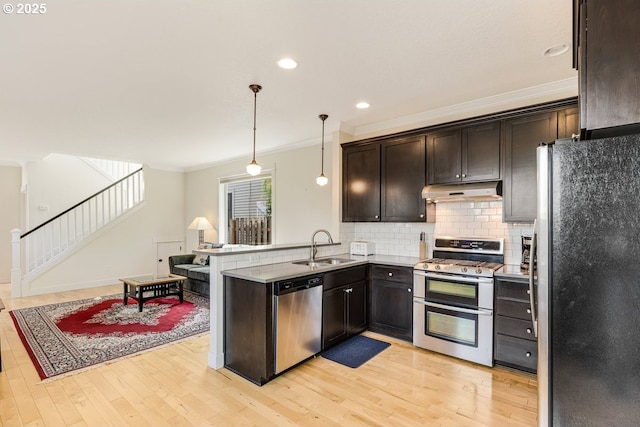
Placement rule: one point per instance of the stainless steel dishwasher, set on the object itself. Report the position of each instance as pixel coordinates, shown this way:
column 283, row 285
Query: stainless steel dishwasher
column 297, row 320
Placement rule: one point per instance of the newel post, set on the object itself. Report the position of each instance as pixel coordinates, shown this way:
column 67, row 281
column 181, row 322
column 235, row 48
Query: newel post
column 16, row 264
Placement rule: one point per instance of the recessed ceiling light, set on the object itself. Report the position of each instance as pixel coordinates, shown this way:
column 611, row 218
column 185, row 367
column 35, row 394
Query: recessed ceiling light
column 362, row 105
column 556, row 50
column 287, row 63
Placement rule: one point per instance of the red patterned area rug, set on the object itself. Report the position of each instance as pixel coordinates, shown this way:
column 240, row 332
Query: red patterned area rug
column 64, row 337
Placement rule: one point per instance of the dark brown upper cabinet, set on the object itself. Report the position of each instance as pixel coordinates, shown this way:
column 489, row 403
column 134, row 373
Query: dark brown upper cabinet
column 403, row 177
column 383, row 181
column 522, row 137
column 469, row 154
column 608, row 61
column 568, row 123
column 361, row 183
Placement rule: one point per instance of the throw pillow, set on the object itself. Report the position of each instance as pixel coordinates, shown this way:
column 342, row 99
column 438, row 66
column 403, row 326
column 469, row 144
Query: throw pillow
column 202, row 259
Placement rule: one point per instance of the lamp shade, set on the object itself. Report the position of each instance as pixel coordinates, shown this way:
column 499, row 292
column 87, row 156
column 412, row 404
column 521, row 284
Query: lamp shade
column 200, row 223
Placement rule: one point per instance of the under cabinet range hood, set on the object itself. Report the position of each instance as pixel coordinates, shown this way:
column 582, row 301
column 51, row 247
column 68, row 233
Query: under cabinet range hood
column 491, row 190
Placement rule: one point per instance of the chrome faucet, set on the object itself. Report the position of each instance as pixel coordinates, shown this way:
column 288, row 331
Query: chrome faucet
column 314, row 250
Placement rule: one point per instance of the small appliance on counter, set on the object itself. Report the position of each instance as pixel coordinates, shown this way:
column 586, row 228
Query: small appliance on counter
column 526, row 253
column 362, row 248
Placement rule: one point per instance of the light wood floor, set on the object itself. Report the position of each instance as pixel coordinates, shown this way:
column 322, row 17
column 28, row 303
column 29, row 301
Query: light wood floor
column 172, row 386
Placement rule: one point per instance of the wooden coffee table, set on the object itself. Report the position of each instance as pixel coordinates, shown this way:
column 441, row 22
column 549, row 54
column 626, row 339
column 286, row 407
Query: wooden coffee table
column 144, row 288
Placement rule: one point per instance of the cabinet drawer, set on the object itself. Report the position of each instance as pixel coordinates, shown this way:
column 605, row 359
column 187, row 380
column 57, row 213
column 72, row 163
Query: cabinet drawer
column 512, row 290
column 517, row 352
column 341, row 277
column 517, row 309
column 515, row 327
column 392, row 273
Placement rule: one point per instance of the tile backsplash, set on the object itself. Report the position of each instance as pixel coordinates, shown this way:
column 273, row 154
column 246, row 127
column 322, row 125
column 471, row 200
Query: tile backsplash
column 460, row 219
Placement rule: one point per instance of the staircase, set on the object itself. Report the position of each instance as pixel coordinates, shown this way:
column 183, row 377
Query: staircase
column 43, row 246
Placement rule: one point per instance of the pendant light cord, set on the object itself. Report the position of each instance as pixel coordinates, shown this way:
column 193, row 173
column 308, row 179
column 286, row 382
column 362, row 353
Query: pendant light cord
column 255, row 101
column 322, row 117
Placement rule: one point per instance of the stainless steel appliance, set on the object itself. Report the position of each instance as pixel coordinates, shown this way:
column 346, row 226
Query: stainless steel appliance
column 588, row 276
column 453, row 298
column 297, row 321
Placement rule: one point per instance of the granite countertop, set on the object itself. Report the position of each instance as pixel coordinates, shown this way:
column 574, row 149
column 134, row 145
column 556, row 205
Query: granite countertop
column 512, row 271
column 287, row 270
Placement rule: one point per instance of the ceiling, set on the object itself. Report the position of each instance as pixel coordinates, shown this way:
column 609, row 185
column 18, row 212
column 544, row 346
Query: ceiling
column 166, row 83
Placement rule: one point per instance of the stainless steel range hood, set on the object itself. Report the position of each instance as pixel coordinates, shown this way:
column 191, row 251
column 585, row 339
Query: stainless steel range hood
column 491, row 190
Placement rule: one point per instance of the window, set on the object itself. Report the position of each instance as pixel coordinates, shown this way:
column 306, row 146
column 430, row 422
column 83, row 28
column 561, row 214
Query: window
column 247, row 210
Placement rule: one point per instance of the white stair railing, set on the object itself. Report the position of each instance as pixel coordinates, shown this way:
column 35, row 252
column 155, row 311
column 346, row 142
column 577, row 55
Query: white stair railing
column 112, row 169
column 49, row 241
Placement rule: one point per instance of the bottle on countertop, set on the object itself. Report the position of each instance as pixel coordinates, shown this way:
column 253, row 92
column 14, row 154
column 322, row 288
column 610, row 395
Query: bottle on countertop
column 423, row 246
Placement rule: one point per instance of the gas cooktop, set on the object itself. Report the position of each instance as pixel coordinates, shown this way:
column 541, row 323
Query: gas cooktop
column 465, row 256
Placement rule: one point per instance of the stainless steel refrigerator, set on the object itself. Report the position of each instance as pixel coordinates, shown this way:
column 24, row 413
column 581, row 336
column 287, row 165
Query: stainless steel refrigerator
column 588, row 276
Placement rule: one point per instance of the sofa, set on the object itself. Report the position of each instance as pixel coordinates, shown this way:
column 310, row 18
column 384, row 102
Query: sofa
column 197, row 274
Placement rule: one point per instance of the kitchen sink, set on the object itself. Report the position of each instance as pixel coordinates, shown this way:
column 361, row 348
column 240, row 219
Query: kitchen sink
column 320, row 262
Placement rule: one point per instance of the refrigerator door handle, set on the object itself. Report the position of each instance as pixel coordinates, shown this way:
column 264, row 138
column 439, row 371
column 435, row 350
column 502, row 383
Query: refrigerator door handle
column 532, row 297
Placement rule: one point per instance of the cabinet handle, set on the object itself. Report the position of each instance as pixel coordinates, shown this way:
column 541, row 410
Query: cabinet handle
column 528, row 330
column 377, row 216
column 409, row 290
column 421, row 215
column 390, row 274
column 528, row 311
column 457, row 175
column 348, row 290
column 464, row 175
column 528, row 292
column 528, row 354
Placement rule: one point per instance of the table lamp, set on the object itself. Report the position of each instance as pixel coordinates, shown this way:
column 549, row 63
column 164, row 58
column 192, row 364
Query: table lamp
column 200, row 224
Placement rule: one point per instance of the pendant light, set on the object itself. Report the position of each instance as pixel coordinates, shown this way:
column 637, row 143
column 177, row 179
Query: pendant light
column 322, row 180
column 254, row 168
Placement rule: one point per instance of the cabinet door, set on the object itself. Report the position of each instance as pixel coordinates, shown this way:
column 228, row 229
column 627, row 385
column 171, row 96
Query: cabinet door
column 361, row 183
column 403, row 177
column 568, row 122
column 610, row 64
column 334, row 316
column 357, row 303
column 444, row 153
column 392, row 308
column 481, row 152
column 522, row 137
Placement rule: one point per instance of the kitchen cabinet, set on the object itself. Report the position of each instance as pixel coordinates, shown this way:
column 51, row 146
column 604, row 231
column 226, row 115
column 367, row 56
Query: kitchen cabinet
column 515, row 344
column 403, row 177
column 248, row 329
column 568, row 123
column 361, row 183
column 522, row 135
column 344, row 305
column 383, row 180
column 468, row 154
column 608, row 62
column 391, row 301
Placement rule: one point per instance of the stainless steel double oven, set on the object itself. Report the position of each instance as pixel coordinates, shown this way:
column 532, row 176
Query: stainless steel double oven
column 453, row 298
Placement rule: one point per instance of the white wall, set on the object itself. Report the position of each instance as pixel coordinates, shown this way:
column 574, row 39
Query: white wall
column 10, row 182
column 58, row 182
column 127, row 248
column 300, row 206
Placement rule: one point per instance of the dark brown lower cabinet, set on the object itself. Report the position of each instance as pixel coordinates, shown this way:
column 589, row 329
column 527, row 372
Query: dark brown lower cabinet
column 391, row 301
column 515, row 344
column 344, row 305
column 248, row 329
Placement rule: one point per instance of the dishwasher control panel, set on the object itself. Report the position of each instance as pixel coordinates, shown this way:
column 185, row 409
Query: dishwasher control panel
column 293, row 285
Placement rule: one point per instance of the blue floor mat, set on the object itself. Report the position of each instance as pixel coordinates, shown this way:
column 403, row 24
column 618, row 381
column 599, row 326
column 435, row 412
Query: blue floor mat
column 355, row 351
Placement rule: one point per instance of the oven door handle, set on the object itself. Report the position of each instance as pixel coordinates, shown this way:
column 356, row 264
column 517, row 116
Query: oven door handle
column 455, row 278
column 480, row 312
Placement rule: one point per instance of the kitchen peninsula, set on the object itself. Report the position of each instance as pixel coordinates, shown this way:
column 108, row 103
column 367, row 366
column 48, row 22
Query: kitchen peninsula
column 269, row 263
